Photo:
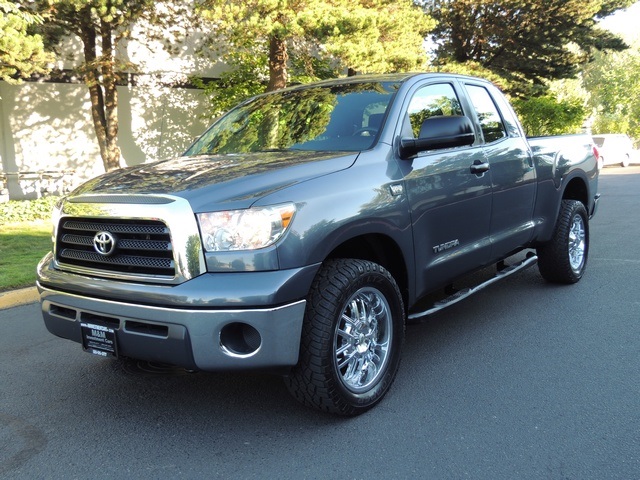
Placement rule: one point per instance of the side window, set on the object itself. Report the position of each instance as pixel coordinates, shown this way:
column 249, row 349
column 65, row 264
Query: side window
column 508, row 115
column 431, row 101
column 488, row 115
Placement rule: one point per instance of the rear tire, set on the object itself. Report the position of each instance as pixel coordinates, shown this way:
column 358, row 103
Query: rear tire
column 564, row 258
column 351, row 338
column 625, row 162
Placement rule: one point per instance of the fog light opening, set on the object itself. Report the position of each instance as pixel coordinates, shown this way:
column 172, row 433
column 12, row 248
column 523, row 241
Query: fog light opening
column 240, row 340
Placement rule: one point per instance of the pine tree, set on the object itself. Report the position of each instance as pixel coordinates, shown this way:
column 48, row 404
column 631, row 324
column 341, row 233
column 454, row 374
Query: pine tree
column 525, row 42
column 22, row 53
column 269, row 43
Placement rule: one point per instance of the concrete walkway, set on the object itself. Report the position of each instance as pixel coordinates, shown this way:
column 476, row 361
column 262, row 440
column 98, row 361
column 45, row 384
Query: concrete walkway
column 15, row 298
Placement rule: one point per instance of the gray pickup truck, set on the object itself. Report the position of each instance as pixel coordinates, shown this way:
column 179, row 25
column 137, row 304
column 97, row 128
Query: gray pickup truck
column 302, row 231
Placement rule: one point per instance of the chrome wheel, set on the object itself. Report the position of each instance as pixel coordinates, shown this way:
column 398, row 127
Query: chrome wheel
column 563, row 259
column 577, row 243
column 351, row 338
column 362, row 338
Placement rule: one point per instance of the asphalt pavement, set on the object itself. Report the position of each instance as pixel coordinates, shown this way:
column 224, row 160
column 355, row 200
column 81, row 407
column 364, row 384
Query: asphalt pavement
column 525, row 380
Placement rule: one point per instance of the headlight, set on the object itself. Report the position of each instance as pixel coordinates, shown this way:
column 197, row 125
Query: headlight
column 56, row 214
column 248, row 229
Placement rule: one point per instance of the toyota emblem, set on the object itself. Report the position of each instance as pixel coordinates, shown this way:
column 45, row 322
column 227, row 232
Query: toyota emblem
column 104, row 243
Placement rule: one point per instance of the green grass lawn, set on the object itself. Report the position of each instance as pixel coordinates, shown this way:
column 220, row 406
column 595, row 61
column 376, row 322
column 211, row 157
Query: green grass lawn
column 22, row 246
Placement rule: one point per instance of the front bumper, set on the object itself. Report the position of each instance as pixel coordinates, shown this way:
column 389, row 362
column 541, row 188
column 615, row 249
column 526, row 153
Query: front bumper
column 214, row 322
column 199, row 339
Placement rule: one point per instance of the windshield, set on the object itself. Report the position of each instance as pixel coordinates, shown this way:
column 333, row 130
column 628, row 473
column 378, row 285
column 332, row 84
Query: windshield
column 320, row 118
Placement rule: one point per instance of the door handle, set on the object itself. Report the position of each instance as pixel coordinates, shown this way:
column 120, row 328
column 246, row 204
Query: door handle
column 479, row 167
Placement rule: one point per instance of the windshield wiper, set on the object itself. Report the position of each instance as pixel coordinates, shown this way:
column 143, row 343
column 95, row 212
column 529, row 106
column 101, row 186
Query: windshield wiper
column 271, row 150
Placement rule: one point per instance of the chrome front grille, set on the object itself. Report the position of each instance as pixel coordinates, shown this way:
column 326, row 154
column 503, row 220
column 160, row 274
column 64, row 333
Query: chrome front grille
column 142, row 247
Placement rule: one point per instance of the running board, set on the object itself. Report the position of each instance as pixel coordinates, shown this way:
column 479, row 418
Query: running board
column 467, row 292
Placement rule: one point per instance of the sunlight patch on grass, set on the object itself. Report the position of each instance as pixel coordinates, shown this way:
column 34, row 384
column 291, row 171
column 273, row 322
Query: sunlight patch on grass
column 22, row 246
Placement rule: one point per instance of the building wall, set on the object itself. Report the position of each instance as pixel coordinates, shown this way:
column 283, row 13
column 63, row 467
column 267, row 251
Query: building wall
column 47, row 141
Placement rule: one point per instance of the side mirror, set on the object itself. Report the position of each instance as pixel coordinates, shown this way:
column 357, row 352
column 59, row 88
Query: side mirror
column 439, row 132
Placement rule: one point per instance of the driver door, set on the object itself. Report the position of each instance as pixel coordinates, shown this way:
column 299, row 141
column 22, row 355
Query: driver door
column 450, row 206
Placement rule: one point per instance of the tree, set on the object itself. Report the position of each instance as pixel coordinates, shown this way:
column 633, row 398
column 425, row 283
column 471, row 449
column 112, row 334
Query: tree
column 22, row 53
column 563, row 110
column 267, row 44
column 546, row 115
column 613, row 81
column 526, row 42
column 101, row 25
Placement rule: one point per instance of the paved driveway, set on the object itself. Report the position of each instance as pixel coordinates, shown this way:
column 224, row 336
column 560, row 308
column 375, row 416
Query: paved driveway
column 524, row 381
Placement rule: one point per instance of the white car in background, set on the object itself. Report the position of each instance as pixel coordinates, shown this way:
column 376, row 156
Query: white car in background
column 614, row 149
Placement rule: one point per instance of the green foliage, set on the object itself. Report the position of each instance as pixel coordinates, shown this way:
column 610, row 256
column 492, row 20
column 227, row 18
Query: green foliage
column 546, row 115
column 370, row 36
column 246, row 78
column 112, row 12
column 22, row 53
column 613, row 81
column 471, row 68
column 527, row 43
column 27, row 210
column 315, row 40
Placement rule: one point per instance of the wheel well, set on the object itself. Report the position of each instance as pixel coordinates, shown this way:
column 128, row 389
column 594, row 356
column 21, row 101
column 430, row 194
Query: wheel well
column 577, row 190
column 381, row 250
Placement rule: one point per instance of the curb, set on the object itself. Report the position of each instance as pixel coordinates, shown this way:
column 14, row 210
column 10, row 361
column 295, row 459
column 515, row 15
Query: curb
column 15, row 298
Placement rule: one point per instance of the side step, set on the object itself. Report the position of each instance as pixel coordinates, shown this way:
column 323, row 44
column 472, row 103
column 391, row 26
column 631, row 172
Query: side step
column 467, row 292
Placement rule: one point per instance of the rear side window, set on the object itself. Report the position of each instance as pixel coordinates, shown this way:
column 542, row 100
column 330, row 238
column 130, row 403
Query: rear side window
column 488, row 115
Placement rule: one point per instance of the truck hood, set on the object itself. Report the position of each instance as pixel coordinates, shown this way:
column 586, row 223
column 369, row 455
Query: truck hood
column 236, row 180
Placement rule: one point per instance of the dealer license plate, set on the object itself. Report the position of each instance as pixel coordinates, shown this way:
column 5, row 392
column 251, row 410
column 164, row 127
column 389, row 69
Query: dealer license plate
column 99, row 340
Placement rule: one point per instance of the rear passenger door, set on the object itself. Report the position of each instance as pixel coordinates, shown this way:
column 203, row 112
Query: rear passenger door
column 511, row 165
column 450, row 205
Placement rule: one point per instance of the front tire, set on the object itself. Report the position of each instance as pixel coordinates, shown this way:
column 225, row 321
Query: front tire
column 351, row 338
column 564, row 258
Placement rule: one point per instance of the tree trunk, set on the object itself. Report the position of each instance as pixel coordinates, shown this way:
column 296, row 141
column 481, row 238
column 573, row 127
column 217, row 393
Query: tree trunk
column 460, row 53
column 103, row 113
column 112, row 162
column 278, row 57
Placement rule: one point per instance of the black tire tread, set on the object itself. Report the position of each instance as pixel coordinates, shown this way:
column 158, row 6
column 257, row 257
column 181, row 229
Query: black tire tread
column 553, row 257
column 311, row 382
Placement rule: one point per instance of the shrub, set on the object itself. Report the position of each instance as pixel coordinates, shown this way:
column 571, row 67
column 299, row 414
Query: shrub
column 15, row 211
column 548, row 116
